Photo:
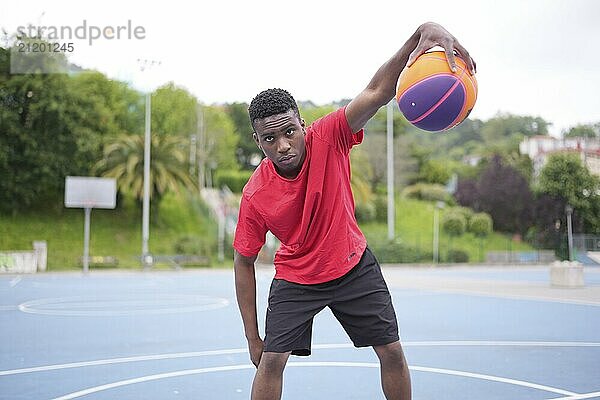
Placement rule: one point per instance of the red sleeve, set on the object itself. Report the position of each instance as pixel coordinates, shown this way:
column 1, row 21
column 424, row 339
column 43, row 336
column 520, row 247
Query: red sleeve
column 334, row 129
column 250, row 230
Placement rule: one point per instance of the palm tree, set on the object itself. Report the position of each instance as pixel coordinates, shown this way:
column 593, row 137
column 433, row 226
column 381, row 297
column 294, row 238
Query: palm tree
column 123, row 159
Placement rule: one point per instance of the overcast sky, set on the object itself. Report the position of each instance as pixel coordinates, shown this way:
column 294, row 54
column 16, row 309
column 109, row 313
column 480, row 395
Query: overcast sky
column 535, row 58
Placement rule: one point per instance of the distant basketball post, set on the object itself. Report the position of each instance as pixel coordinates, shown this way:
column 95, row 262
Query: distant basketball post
column 88, row 193
column 436, row 231
column 569, row 211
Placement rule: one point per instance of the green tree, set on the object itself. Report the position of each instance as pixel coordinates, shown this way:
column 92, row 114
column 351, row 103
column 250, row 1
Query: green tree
column 218, row 144
column 435, row 171
column 46, row 134
column 361, row 185
column 565, row 176
column 111, row 107
column 506, row 125
column 311, row 112
column 454, row 223
column 174, row 111
column 480, row 224
column 584, row 130
column 378, row 124
column 124, row 160
column 247, row 151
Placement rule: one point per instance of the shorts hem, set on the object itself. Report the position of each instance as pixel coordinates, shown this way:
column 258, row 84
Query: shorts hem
column 382, row 342
column 294, row 352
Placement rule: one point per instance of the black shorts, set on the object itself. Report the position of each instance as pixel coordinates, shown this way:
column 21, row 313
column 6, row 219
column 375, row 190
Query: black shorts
column 360, row 301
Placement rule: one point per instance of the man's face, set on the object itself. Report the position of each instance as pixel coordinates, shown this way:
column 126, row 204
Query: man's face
column 281, row 138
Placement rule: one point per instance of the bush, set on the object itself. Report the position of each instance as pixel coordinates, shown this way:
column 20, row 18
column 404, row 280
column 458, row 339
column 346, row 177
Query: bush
column 454, row 223
column 398, row 252
column 435, row 171
column 458, row 256
column 380, row 208
column 480, row 224
column 425, row 191
column 365, row 212
column 234, row 180
column 192, row 245
column 466, row 212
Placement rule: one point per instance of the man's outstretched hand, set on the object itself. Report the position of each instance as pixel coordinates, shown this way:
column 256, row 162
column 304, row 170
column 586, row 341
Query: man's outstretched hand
column 431, row 35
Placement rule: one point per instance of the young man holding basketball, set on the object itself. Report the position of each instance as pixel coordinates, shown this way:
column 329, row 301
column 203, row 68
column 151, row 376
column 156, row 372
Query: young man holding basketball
column 301, row 193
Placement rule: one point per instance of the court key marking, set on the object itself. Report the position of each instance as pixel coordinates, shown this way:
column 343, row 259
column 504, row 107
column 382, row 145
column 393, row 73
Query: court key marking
column 569, row 395
column 148, row 378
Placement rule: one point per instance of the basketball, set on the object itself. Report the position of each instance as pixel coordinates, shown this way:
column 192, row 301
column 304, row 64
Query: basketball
column 434, row 98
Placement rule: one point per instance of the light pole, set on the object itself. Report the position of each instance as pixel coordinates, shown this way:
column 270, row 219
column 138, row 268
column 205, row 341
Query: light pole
column 390, row 171
column 569, row 211
column 436, row 231
column 146, row 256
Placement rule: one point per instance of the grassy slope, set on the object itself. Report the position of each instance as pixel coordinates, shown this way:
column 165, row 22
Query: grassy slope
column 112, row 233
column 414, row 226
column 118, row 232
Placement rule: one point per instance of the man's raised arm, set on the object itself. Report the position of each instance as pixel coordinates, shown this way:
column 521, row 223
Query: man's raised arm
column 382, row 87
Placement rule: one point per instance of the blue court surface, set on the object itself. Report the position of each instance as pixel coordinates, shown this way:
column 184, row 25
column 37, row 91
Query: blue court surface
column 468, row 333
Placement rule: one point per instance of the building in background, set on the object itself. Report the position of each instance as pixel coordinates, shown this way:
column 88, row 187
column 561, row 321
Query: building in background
column 539, row 148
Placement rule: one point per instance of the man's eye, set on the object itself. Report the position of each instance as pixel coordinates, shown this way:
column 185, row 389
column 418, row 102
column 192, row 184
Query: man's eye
column 268, row 138
column 290, row 131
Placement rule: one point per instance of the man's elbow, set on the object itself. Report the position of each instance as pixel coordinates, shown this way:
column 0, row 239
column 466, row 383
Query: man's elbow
column 240, row 260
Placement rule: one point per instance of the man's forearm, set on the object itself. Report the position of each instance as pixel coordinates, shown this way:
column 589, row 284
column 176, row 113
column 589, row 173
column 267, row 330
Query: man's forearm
column 383, row 83
column 245, row 290
column 382, row 87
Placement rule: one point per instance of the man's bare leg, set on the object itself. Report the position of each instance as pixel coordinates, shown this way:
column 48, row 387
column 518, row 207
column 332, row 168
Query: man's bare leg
column 268, row 381
column 395, row 377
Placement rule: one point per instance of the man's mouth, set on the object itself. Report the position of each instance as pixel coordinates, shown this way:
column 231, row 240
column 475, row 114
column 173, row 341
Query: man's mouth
column 287, row 159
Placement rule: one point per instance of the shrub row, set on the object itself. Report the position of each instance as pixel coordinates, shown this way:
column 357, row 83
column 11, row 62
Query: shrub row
column 458, row 220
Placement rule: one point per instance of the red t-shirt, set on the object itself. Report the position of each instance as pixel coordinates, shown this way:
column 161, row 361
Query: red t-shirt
column 313, row 214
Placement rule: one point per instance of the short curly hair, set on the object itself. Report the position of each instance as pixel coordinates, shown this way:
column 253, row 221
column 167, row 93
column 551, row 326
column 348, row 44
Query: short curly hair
column 271, row 102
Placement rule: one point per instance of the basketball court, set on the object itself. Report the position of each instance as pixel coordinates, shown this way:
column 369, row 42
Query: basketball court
column 468, row 332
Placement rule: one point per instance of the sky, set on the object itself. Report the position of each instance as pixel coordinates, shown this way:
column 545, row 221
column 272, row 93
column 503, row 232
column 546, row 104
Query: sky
column 535, row 58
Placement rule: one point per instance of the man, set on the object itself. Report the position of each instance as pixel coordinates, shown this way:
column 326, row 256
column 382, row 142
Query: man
column 301, row 193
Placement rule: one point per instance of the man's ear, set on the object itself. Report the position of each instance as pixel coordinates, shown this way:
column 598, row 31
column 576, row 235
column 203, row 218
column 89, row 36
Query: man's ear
column 255, row 137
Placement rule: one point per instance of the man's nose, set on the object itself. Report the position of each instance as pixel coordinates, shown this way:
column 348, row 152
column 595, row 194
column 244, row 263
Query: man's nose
column 283, row 146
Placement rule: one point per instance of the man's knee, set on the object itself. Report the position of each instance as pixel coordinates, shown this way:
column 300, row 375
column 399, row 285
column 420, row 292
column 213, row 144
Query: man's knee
column 391, row 352
column 273, row 363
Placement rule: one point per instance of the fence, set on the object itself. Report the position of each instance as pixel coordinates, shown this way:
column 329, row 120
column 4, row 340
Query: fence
column 17, row 262
column 586, row 242
column 418, row 248
column 521, row 257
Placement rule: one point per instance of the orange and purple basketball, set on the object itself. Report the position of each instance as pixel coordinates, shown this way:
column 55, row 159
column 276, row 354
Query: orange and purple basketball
column 434, row 98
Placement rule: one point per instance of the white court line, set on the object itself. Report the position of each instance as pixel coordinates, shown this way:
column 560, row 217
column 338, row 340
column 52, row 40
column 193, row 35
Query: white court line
column 15, row 281
column 149, row 378
column 579, row 396
column 121, row 360
column 244, row 350
column 122, row 306
column 475, row 292
column 501, row 343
